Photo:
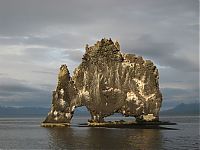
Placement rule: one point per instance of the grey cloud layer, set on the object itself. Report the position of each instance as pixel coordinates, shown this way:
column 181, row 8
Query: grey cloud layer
column 37, row 36
column 14, row 92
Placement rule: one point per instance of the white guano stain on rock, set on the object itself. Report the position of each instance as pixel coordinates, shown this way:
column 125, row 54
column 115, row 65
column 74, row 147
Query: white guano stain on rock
column 62, row 102
column 84, row 93
column 73, row 108
column 68, row 115
column 55, row 113
column 131, row 96
column 62, row 92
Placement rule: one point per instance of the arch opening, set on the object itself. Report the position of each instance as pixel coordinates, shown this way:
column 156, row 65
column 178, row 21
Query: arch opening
column 81, row 115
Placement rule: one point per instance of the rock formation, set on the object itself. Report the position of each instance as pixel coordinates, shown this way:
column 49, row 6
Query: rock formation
column 107, row 82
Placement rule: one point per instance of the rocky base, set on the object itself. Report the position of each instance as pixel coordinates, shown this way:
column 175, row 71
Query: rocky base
column 118, row 124
column 128, row 123
column 134, row 125
column 55, row 125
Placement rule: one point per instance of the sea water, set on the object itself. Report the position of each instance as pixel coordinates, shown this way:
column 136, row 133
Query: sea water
column 26, row 133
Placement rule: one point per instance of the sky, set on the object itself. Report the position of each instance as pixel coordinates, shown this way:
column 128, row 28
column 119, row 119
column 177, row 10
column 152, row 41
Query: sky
column 37, row 36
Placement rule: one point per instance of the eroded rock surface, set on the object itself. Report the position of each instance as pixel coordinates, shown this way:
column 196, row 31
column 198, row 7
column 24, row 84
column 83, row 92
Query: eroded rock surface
column 107, row 82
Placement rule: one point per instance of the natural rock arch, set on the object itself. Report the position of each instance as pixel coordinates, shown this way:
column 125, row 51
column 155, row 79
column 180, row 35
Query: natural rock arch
column 107, row 81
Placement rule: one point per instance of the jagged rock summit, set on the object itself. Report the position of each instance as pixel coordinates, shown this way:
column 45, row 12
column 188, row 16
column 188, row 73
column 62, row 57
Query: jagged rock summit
column 107, row 82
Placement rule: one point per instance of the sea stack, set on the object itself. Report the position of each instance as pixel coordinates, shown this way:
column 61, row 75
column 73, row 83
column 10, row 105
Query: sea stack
column 107, row 82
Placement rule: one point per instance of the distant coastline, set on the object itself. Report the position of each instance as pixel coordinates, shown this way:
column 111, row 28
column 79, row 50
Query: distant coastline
column 179, row 110
column 182, row 110
column 23, row 111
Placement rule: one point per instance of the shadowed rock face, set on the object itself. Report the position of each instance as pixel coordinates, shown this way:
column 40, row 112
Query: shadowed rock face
column 107, row 82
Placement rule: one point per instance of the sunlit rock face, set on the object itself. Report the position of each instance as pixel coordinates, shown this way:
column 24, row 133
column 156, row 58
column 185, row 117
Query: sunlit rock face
column 62, row 98
column 107, row 82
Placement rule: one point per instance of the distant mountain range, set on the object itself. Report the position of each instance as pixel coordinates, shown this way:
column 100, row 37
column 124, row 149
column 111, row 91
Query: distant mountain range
column 33, row 111
column 23, row 111
column 181, row 109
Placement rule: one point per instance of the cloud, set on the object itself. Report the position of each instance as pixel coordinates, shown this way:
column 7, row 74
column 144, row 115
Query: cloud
column 175, row 94
column 163, row 53
column 3, row 74
column 44, row 72
column 74, row 55
column 14, row 91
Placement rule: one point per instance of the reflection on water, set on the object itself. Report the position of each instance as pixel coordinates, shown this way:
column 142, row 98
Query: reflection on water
column 103, row 138
column 146, row 139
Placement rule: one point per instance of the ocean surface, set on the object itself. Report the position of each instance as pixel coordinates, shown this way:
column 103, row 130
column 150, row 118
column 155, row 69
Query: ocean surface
column 26, row 133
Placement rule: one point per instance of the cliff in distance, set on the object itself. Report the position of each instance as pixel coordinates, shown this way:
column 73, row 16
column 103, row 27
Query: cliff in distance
column 107, row 82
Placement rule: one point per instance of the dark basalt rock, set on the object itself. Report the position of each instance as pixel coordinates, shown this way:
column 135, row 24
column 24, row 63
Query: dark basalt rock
column 107, row 82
